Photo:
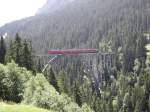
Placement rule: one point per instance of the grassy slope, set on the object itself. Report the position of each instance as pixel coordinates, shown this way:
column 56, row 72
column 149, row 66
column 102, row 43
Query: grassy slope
column 20, row 108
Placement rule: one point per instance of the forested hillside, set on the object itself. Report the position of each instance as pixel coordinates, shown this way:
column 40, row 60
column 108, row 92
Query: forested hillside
column 120, row 27
column 18, row 85
column 53, row 5
column 84, row 23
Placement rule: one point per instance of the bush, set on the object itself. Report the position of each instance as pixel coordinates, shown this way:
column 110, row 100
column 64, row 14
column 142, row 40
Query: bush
column 12, row 82
column 17, row 84
column 40, row 93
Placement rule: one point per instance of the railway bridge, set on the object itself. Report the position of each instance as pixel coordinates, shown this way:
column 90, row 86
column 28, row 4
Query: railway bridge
column 93, row 61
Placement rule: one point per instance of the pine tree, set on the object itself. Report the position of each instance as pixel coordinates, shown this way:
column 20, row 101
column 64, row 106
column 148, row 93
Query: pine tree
column 127, row 104
column 64, row 82
column 138, row 106
column 50, row 76
column 2, row 50
column 110, row 106
column 21, row 53
column 39, row 66
column 128, row 60
column 18, row 50
column 141, row 50
column 129, row 53
column 10, row 52
column 77, row 94
column 27, row 57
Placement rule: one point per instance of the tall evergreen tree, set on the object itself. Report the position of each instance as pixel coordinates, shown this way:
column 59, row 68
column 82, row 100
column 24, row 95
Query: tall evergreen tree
column 10, row 52
column 64, row 82
column 39, row 65
column 141, row 50
column 128, row 57
column 18, row 50
column 27, row 56
column 50, row 76
column 77, row 94
column 21, row 53
column 2, row 50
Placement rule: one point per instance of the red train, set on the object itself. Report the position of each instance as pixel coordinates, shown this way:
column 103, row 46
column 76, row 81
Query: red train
column 72, row 51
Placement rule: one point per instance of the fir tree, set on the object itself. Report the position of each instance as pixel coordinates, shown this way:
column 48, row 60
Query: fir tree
column 2, row 50
column 10, row 52
column 77, row 94
column 141, row 50
column 18, row 50
column 64, row 82
column 52, row 79
column 39, row 66
column 21, row 53
column 27, row 57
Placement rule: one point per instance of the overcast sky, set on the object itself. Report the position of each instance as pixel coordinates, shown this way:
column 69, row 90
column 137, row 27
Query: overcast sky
column 11, row 10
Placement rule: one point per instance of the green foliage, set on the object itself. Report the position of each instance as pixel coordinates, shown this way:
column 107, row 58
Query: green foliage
column 86, row 108
column 12, row 82
column 127, row 104
column 27, row 60
column 128, row 93
column 122, row 32
column 77, row 94
column 39, row 66
column 137, row 66
column 63, row 82
column 38, row 92
column 2, row 50
column 18, row 49
column 21, row 53
column 141, row 50
column 51, row 78
column 85, row 24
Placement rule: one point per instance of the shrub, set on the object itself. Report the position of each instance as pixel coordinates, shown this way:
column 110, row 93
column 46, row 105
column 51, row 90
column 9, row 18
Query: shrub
column 40, row 93
column 12, row 82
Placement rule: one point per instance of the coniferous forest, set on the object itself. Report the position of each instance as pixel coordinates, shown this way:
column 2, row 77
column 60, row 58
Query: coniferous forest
column 118, row 81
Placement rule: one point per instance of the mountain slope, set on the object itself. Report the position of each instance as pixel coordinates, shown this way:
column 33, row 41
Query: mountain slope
column 83, row 24
column 52, row 5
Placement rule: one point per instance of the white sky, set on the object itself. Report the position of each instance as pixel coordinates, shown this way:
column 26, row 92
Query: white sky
column 11, row 10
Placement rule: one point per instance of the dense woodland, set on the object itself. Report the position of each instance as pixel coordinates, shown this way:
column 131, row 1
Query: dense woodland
column 118, row 26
